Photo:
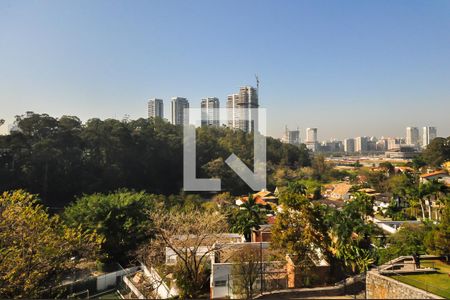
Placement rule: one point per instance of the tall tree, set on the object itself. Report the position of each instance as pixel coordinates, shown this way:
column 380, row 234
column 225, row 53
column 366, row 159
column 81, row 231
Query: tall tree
column 297, row 229
column 437, row 152
column 121, row 218
column 249, row 216
column 35, row 248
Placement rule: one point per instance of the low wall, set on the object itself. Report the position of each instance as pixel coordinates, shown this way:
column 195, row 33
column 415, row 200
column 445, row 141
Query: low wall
column 383, row 287
column 350, row 286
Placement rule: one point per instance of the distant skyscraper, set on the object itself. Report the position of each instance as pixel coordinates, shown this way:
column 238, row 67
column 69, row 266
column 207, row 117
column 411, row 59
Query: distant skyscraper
column 412, row 136
column 311, row 139
column 155, row 108
column 311, row 134
column 349, row 145
column 291, row 136
column 239, row 107
column 210, row 111
column 361, row 144
column 428, row 134
column 178, row 105
column 232, row 110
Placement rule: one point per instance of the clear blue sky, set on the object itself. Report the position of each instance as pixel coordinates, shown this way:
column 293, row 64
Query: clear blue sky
column 349, row 68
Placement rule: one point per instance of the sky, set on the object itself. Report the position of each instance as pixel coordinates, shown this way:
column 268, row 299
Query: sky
column 349, row 68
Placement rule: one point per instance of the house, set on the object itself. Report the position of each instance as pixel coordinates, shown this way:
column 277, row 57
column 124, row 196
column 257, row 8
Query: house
column 263, row 234
column 341, row 191
column 268, row 196
column 404, row 170
column 440, row 175
column 276, row 274
column 258, row 200
column 262, row 198
column 171, row 256
column 221, row 278
column 381, row 202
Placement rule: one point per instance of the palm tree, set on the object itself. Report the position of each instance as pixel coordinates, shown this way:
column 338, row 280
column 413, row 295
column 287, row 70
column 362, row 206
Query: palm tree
column 415, row 196
column 249, row 217
column 438, row 190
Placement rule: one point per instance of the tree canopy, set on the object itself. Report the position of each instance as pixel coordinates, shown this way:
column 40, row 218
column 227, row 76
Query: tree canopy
column 437, row 152
column 60, row 159
column 36, row 248
column 121, row 218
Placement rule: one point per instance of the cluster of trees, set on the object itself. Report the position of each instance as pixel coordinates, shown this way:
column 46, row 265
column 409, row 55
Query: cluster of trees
column 436, row 153
column 63, row 158
column 36, row 249
column 425, row 238
column 123, row 225
column 308, row 230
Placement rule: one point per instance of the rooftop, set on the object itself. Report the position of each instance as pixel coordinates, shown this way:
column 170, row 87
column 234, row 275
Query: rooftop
column 440, row 172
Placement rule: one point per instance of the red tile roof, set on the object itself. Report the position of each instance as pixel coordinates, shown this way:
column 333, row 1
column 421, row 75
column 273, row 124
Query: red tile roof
column 440, row 172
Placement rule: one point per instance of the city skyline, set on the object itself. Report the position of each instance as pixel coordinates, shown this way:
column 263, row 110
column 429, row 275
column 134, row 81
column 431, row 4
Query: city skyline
column 168, row 115
column 349, row 68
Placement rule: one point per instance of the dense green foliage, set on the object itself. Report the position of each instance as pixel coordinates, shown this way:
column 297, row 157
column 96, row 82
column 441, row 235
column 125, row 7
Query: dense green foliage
column 121, row 218
column 409, row 240
column 246, row 217
column 36, row 248
column 437, row 152
column 63, row 158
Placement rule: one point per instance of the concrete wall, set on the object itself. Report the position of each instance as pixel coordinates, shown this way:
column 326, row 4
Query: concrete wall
column 383, row 287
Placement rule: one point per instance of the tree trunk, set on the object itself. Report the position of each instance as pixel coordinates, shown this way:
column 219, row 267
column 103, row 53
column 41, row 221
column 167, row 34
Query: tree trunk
column 422, row 209
column 429, row 210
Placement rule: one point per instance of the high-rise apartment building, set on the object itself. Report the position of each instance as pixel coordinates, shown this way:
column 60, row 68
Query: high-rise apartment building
column 412, row 136
column 428, row 134
column 311, row 135
column 361, row 144
column 349, row 145
column 156, row 108
column 240, row 109
column 232, row 110
column 311, row 139
column 178, row 116
column 210, row 111
column 291, row 136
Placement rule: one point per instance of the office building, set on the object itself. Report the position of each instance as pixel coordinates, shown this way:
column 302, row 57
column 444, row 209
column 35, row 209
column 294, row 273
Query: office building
column 333, row 146
column 178, row 116
column 393, row 143
column 361, row 144
column 428, row 134
column 155, row 108
column 240, row 109
column 349, row 145
column 210, row 111
column 412, row 136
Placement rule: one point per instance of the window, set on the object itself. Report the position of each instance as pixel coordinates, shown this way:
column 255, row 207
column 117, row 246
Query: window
column 220, row 283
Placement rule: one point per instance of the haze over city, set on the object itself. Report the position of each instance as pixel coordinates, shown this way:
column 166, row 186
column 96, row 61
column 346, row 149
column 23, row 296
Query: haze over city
column 349, row 68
